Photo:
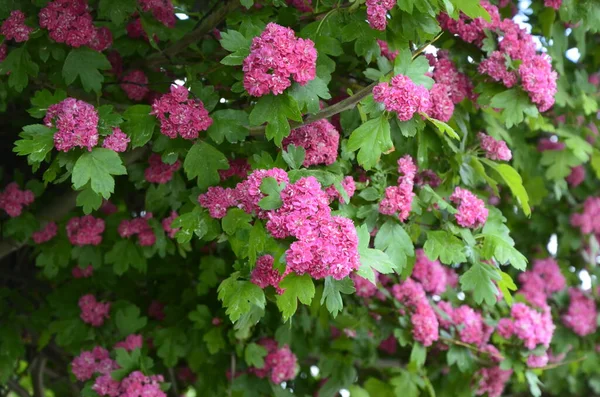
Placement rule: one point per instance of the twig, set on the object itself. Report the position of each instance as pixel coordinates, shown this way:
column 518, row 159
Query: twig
column 346, row 104
column 470, row 347
column 174, row 389
column 556, row 365
column 37, row 377
column 17, row 388
column 233, row 363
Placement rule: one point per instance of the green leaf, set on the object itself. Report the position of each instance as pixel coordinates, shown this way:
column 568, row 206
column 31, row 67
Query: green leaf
column 18, row 62
column 411, row 127
column 85, row 63
column 98, row 166
column 418, row 355
column 331, row 293
column 534, row 383
column 42, row 100
column 128, row 320
column 512, row 178
column 233, row 41
column 228, row 124
column 117, row 10
column 238, row 296
column 405, row 385
column 214, row 340
column 595, row 162
column 125, row 253
column 37, row 142
column 396, row 243
column 506, row 284
column 516, row 105
column 139, row 124
column 504, row 252
column 472, row 8
column 201, row 317
column 256, row 242
column 371, row 139
column 460, row 356
column 371, row 258
column 415, row 69
column 272, row 191
column 190, row 223
column 478, row 279
column 254, row 355
column 275, row 111
column 308, row 96
column 172, row 345
column 559, row 163
column 443, row 128
column 296, row 288
column 236, row 219
column 445, row 246
column 128, row 362
column 294, row 156
column 204, row 161
column 89, row 200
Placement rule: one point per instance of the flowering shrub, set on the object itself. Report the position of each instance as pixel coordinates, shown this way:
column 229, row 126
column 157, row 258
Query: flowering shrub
column 316, row 198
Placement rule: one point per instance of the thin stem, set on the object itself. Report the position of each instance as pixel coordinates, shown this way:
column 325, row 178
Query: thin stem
column 556, row 365
column 17, row 388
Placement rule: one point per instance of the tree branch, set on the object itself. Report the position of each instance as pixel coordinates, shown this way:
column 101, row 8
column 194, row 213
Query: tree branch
column 174, row 391
column 60, row 207
column 208, row 23
column 37, row 377
column 17, row 388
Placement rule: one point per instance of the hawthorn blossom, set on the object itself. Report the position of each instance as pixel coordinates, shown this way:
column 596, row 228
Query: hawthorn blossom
column 76, row 122
column 492, row 381
column 135, row 85
column 471, row 210
column 85, row 272
column 349, row 187
column 13, row 199
column 581, row 314
column 140, row 227
column 85, row 230
column 280, row 364
column 264, row 274
column 320, row 140
column 14, row 28
column 116, row 141
column 577, row 176
column 167, row 222
column 377, row 12
column 402, row 96
column 159, row 172
column 92, row 311
column 162, row 10
column 45, row 234
column 494, row 149
column 217, row 200
column 588, row 221
column 102, row 39
column 68, row 21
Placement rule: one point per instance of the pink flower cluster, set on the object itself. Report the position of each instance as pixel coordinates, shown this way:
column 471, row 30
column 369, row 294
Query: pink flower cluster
column 92, row 311
column 364, row 288
column 431, row 274
column 264, row 274
column 528, row 325
column 135, row 385
column 76, row 122
column 492, row 381
column 141, row 228
column 102, row 39
column 349, row 187
column 534, row 361
column 135, row 85
column 247, row 193
column 167, row 222
column 130, row 343
column 549, row 144
column 79, row 272
column 159, row 172
column 471, row 210
column 494, row 149
column 469, row 324
column 237, row 167
column 581, row 314
column 156, row 310
column 539, row 283
column 14, row 28
column 423, row 318
column 428, row 177
column 3, row 51
column 320, row 140
column 116, row 141
column 162, row 10
column 45, row 234
column 398, row 199
column 301, row 5
column 85, row 230
column 535, row 71
column 68, row 21
column 589, row 220
column 385, row 50
column 179, row 115
column 553, row 3
column 377, row 12
column 577, row 176
column 402, row 96
column 217, row 200
column 91, row 362
column 275, row 57
column 13, row 199
column 280, row 363
column 450, row 87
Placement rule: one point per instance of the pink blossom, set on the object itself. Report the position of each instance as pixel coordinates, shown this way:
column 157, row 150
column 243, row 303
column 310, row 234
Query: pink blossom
column 14, row 28
column 92, row 311
column 301, row 5
column 131, row 343
column 135, row 30
column 82, row 272
column 389, row 345
column 495, row 67
column 377, row 12
column 167, row 222
column 3, row 51
column 88, row 363
column 116, row 62
column 105, row 385
column 275, row 57
column 320, row 140
column 13, row 199
column 471, row 210
column 264, row 274
column 530, row 326
column 138, row 384
column 427, row 177
column 217, row 200
column 589, row 220
column 179, row 115
column 492, row 381
column 445, row 73
column 237, row 167
column 577, row 176
column 76, row 122
column 548, row 144
column 116, row 141
column 85, row 230
column 581, row 314
column 280, row 363
column 140, row 227
column 398, row 199
column 402, row 96
column 45, row 234
column 553, row 3
column 442, row 107
column 364, row 288
column 539, row 80
column 541, row 282
column 135, row 85
column 68, row 21
column 471, row 328
column 385, row 50
column 108, row 207
column 349, row 187
column 534, row 361
column 156, row 310
column 248, row 192
column 425, row 324
column 494, row 149
column 430, row 274
column 162, row 10
column 159, row 172
column 102, row 39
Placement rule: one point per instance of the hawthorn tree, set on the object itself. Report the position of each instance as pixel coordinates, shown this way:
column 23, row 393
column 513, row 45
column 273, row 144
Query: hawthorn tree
column 314, row 198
